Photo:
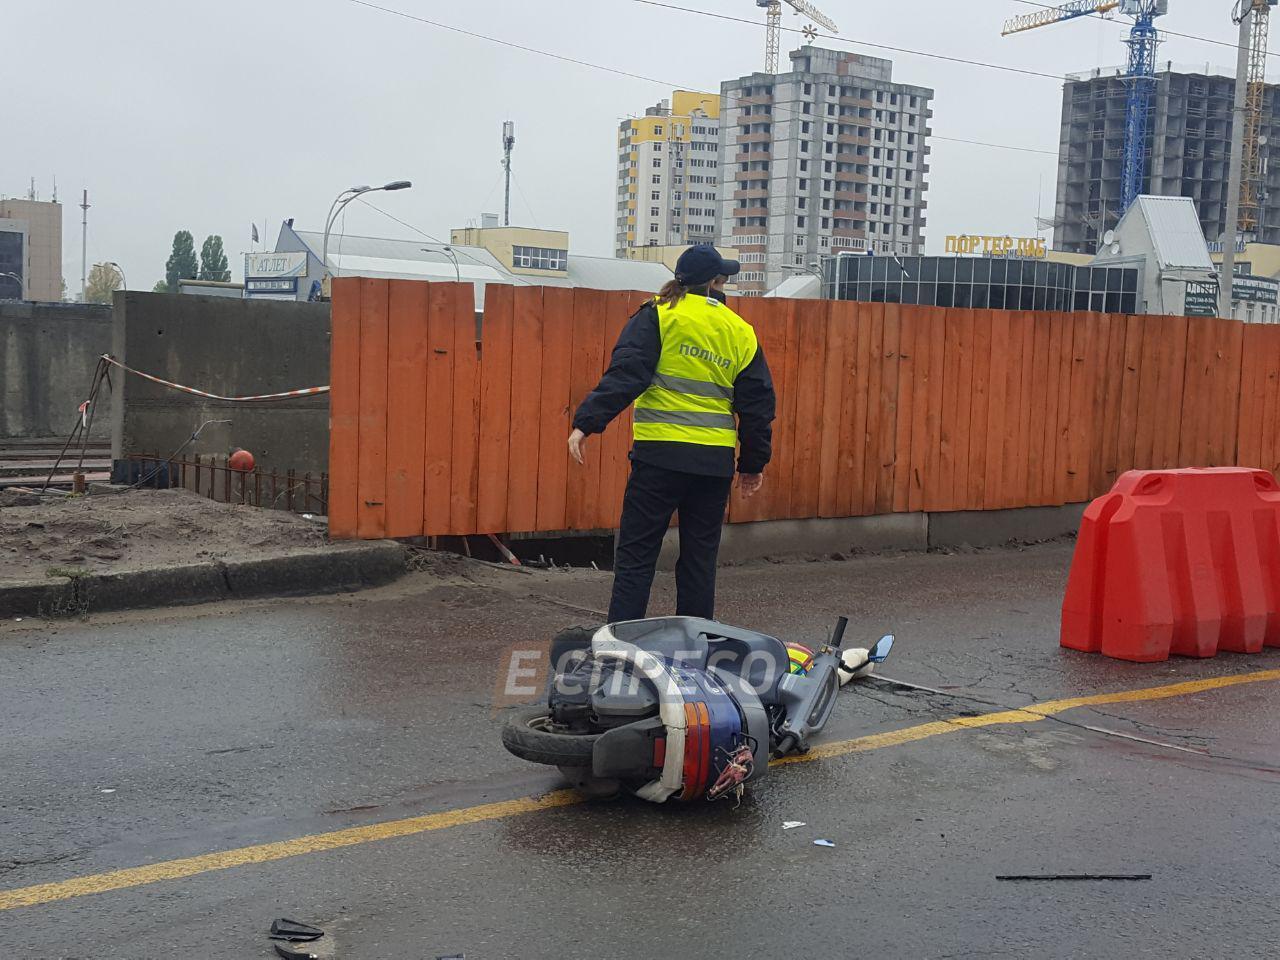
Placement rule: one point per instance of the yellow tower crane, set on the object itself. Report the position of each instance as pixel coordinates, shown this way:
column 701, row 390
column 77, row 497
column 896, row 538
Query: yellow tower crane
column 773, row 20
column 1251, row 168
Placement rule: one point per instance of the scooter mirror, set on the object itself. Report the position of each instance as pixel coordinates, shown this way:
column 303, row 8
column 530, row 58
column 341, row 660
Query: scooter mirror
column 880, row 652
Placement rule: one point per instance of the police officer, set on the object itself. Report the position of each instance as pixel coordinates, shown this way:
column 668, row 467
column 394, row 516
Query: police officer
column 689, row 364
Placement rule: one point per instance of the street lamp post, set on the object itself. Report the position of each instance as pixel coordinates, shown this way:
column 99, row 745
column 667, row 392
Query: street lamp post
column 124, row 284
column 340, row 202
column 17, row 279
column 446, row 249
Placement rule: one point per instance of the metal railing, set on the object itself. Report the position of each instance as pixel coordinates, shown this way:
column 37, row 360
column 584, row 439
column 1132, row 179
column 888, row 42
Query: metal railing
column 212, row 477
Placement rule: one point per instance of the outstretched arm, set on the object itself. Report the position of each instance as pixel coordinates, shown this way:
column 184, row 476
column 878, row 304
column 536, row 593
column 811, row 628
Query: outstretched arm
column 631, row 369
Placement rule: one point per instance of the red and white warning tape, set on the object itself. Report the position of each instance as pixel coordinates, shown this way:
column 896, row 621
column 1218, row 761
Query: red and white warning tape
column 304, row 392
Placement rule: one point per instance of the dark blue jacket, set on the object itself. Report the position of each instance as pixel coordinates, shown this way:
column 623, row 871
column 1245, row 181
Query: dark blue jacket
column 631, row 370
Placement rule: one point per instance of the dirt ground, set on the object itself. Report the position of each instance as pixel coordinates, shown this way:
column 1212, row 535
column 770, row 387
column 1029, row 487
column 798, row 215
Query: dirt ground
column 141, row 528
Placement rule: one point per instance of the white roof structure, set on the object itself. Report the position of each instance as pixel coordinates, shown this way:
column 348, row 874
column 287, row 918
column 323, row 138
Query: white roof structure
column 428, row 260
column 800, row 286
column 1174, row 228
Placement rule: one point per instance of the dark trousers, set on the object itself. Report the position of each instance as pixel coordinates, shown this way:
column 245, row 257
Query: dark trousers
column 653, row 494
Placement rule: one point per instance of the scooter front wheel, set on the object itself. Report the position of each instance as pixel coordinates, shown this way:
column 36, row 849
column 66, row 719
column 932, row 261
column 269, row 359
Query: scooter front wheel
column 528, row 734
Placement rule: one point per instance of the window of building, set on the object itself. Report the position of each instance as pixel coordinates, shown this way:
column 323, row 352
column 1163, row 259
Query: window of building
column 541, row 258
column 893, row 116
column 800, row 221
column 911, row 138
column 657, row 163
column 826, row 203
column 679, row 179
column 657, row 178
column 826, row 166
column 804, row 146
column 831, row 109
column 875, row 153
column 908, row 193
column 915, row 101
column 657, row 148
column 655, row 195
column 892, row 156
column 831, row 129
column 879, row 96
column 804, row 108
column 875, row 189
column 654, row 211
column 657, row 130
column 879, row 116
column 893, row 137
column 804, row 166
column 826, row 185
column 875, row 171
column 831, row 90
column 893, row 99
column 907, row 175
column 829, row 147
column 911, row 156
column 804, row 126
column 800, row 240
column 826, row 223
column 808, row 89
column 873, row 209
column 653, row 228
column 802, row 184
column 800, row 203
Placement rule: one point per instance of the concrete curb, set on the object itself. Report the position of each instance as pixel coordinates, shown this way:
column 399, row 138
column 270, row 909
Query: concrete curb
column 338, row 568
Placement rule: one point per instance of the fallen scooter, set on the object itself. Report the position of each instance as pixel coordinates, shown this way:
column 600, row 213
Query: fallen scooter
column 679, row 707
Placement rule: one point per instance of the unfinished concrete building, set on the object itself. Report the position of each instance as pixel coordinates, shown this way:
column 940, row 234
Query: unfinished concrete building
column 1188, row 151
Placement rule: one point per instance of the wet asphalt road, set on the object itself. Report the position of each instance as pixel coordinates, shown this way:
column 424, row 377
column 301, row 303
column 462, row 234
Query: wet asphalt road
column 219, row 727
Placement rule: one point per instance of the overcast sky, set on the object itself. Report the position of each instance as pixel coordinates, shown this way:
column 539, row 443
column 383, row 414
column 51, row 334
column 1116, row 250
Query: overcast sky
column 210, row 116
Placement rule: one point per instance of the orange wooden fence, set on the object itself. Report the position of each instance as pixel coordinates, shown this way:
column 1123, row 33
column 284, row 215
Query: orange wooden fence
column 881, row 408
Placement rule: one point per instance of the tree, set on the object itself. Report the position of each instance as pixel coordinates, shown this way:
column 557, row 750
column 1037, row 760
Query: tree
column 102, row 282
column 160, row 287
column 213, row 261
column 181, row 264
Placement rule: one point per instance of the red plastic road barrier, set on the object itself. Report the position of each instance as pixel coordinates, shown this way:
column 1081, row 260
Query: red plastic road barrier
column 1177, row 561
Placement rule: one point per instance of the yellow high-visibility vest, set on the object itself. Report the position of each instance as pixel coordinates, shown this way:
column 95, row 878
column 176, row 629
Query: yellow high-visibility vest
column 705, row 345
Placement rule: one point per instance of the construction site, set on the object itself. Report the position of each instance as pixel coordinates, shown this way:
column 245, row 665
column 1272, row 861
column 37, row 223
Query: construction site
column 309, row 580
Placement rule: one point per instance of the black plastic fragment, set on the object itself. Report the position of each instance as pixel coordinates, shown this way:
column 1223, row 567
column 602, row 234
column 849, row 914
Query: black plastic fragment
column 294, row 932
column 288, row 953
column 1077, row 876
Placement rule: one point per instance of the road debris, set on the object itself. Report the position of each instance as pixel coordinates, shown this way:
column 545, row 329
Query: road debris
column 792, row 824
column 288, row 953
column 1076, row 876
column 823, row 843
column 294, row 931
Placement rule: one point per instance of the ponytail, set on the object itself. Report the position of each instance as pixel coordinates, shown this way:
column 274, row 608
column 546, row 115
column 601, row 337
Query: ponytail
column 673, row 292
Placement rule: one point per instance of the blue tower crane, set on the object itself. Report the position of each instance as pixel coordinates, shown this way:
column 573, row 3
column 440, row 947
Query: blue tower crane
column 1139, row 79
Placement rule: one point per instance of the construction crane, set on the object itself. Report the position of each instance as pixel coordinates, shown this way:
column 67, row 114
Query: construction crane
column 1139, row 78
column 773, row 20
column 1251, row 155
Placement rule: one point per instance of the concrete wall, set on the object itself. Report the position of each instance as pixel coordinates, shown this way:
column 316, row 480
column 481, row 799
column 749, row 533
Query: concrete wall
column 228, row 347
column 48, row 352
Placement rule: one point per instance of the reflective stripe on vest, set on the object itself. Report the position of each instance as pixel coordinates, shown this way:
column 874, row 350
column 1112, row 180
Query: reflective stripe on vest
column 705, row 345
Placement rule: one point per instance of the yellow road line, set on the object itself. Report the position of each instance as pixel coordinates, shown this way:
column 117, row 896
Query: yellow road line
column 351, row 836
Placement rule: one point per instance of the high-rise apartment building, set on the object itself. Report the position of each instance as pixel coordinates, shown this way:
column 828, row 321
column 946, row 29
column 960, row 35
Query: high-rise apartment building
column 829, row 157
column 668, row 173
column 1188, row 151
